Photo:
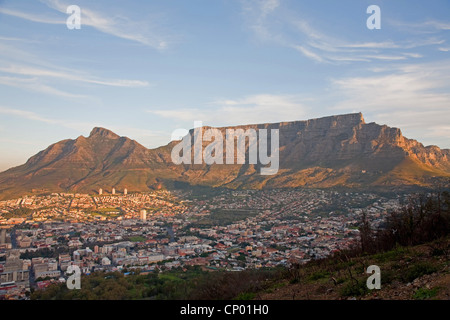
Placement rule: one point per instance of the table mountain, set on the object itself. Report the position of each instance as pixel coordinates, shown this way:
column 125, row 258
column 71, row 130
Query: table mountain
column 339, row 150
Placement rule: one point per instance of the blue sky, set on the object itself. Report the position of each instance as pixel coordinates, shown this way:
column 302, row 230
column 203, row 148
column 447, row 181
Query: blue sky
column 146, row 68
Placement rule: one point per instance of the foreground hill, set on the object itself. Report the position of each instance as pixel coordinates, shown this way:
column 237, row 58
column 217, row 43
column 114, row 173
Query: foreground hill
column 339, row 150
column 407, row 273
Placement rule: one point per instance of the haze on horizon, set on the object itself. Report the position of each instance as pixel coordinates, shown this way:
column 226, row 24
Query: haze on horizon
column 143, row 70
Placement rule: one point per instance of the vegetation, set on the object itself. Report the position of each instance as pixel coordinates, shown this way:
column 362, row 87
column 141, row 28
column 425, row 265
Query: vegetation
column 192, row 283
column 137, row 239
column 422, row 220
column 105, row 212
column 18, row 213
column 423, row 293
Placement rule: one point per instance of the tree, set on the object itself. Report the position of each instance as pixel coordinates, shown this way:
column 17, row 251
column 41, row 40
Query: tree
column 365, row 233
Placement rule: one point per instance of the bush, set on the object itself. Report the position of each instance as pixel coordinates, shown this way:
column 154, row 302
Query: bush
column 319, row 275
column 390, row 255
column 422, row 220
column 422, row 293
column 355, row 289
column 418, row 270
column 246, row 296
column 229, row 285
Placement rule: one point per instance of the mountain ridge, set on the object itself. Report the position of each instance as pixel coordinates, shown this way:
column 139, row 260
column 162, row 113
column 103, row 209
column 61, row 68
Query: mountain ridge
column 339, row 150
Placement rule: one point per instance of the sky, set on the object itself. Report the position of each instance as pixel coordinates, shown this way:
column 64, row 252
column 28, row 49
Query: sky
column 146, row 68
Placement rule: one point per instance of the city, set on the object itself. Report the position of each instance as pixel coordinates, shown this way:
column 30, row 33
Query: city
column 41, row 236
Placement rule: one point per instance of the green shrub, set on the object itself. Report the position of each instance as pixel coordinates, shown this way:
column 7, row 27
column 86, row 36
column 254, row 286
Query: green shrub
column 246, row 296
column 355, row 289
column 390, row 255
column 319, row 275
column 422, row 293
column 388, row 276
column 418, row 270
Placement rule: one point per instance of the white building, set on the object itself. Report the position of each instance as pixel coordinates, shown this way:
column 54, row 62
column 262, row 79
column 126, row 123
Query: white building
column 143, row 215
column 106, row 261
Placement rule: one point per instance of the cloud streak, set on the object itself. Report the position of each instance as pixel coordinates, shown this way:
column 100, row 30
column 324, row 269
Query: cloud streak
column 415, row 98
column 149, row 138
column 36, row 85
column 261, row 108
column 31, row 17
column 71, row 75
column 115, row 25
column 118, row 26
column 273, row 22
column 33, row 116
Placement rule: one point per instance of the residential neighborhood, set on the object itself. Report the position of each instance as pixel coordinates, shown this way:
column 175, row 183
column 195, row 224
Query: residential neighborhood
column 41, row 236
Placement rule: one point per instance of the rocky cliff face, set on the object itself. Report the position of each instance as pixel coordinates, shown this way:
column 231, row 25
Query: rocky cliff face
column 330, row 151
column 339, row 150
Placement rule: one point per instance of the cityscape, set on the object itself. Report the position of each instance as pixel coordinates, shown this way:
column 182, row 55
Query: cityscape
column 162, row 230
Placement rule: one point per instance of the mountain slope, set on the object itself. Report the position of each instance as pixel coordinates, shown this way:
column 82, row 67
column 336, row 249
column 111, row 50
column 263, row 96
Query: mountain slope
column 102, row 160
column 338, row 150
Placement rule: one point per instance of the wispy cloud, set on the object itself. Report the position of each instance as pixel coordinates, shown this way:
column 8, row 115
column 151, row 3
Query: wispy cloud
column 121, row 26
column 260, row 108
column 415, row 98
column 308, row 53
column 16, row 39
column 274, row 22
column 32, row 17
column 26, row 115
column 424, row 27
column 33, row 116
column 23, row 69
column 148, row 138
column 36, row 85
column 72, row 75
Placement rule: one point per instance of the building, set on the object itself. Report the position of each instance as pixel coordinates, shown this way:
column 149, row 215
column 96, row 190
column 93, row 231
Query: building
column 45, row 268
column 125, row 191
column 100, row 191
column 64, row 261
column 24, row 242
column 14, row 270
column 143, row 215
column 155, row 258
column 47, row 273
column 113, row 191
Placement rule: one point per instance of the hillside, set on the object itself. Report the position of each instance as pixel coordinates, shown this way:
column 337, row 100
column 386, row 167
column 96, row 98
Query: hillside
column 407, row 273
